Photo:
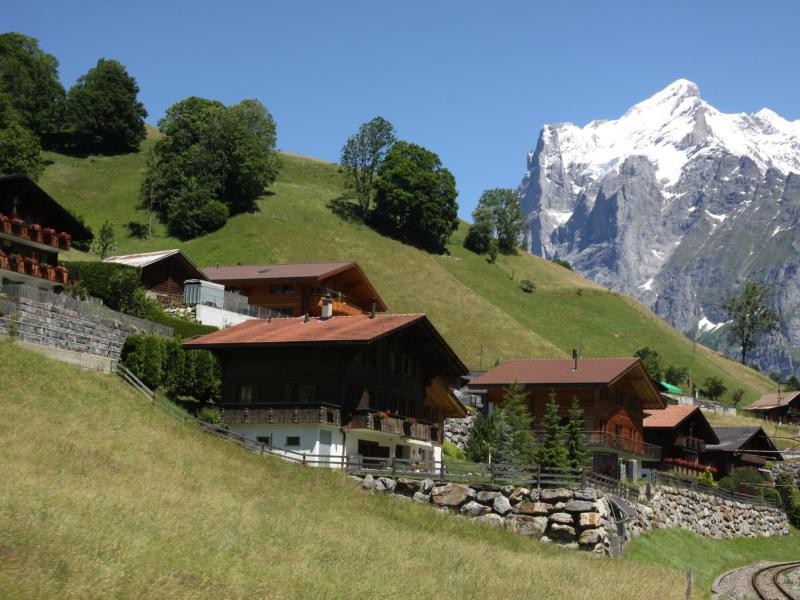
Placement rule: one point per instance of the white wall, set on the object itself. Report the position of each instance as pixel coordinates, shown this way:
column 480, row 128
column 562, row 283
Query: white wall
column 309, row 435
column 211, row 315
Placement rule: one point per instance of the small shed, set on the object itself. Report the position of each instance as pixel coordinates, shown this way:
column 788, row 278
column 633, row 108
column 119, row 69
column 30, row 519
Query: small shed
column 163, row 273
column 781, row 407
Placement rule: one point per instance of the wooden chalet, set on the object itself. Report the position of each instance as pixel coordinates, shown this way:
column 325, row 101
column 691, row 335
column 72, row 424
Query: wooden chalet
column 783, row 407
column 613, row 393
column 348, row 386
column 682, row 432
column 34, row 228
column 740, row 447
column 301, row 288
column 163, row 273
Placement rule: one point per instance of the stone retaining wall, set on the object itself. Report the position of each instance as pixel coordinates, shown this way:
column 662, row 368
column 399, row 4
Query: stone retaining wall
column 583, row 519
column 792, row 467
column 456, row 431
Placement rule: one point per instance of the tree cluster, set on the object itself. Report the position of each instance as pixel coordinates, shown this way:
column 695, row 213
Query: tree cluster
column 412, row 195
column 749, row 316
column 562, row 444
column 213, row 161
column 100, row 114
column 496, row 219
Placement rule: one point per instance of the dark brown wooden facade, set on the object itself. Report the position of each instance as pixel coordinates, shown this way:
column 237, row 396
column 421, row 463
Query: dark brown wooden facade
column 683, row 433
column 740, row 447
column 34, row 228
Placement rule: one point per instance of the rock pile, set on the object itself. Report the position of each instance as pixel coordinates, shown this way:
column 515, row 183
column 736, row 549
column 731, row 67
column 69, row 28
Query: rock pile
column 456, row 431
column 578, row 519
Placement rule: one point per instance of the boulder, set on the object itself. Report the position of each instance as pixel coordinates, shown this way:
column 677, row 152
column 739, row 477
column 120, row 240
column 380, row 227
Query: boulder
column 590, row 537
column 555, row 495
column 356, row 479
column 408, row 487
column 427, row 486
column 485, row 487
column 501, row 505
column 533, row 526
column 561, row 518
column 561, row 533
column 388, row 484
column 587, row 494
column 368, row 482
column 532, row 508
column 421, row 498
column 490, row 519
column 474, row 509
column 517, row 495
column 487, row 497
column 589, row 520
column 579, row 506
column 507, row 490
column 449, row 494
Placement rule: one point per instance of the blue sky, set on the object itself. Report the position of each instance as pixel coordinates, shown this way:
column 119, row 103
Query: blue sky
column 471, row 81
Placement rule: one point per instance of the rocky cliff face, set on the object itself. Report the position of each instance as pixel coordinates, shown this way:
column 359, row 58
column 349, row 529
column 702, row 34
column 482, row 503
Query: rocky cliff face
column 676, row 204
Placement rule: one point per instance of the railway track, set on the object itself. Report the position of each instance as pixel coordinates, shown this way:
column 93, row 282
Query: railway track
column 766, row 581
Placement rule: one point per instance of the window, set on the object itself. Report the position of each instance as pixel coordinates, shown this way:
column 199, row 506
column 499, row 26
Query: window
column 330, row 416
column 292, row 440
column 247, row 394
column 618, row 430
column 264, row 439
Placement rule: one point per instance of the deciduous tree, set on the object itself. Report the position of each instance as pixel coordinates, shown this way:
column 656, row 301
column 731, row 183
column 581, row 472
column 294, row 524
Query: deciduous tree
column 20, row 151
column 105, row 242
column 651, row 360
column 749, row 317
column 499, row 208
column 103, row 113
column 416, row 197
column 362, row 155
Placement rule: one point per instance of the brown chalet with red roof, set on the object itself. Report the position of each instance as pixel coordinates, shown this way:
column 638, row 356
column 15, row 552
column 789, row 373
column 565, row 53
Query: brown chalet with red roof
column 301, row 288
column 613, row 393
column 355, row 387
column 683, row 432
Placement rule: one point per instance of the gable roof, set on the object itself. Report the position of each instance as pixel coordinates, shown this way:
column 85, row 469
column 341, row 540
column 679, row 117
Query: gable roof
column 671, row 389
column 732, row 439
column 770, row 401
column 36, row 198
column 673, row 415
column 345, row 330
column 561, row 372
column 145, row 259
column 243, row 274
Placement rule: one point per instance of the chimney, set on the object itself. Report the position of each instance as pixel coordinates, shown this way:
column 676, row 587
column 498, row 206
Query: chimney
column 575, row 358
column 373, row 308
column 327, row 307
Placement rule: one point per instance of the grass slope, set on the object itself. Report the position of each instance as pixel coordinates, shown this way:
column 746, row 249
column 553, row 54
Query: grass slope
column 474, row 304
column 103, row 497
column 683, row 550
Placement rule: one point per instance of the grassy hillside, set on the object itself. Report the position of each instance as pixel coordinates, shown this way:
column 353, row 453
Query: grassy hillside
column 473, row 303
column 103, row 497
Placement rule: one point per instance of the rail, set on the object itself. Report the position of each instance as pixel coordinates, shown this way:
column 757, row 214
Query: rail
column 605, row 439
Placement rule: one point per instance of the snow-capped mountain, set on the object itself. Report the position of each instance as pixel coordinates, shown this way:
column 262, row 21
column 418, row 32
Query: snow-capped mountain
column 675, row 203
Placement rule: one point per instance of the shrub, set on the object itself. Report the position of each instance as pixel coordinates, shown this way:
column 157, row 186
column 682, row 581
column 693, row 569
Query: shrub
column 452, row 451
column 118, row 286
column 527, row 286
column 748, row 480
column 707, row 478
column 137, row 230
column 181, row 327
column 210, row 414
column 563, row 263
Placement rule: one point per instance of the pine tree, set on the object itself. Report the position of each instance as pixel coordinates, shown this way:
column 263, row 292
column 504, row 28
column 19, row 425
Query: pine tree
column 515, row 414
column 504, row 451
column 482, row 438
column 576, row 449
column 552, row 452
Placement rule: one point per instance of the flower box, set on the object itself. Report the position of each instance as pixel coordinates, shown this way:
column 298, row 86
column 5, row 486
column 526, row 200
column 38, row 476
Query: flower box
column 66, row 240
column 62, row 276
column 17, row 263
column 19, row 228
column 51, row 237
column 36, row 233
column 4, row 262
column 49, row 272
column 5, row 225
column 32, row 267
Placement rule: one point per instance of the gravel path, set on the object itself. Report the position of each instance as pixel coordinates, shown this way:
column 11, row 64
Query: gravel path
column 738, row 585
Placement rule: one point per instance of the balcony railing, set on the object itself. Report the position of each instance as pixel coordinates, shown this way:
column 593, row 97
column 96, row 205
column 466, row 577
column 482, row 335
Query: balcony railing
column 606, row 440
column 395, row 424
column 690, row 443
column 35, row 233
column 282, row 413
column 30, row 266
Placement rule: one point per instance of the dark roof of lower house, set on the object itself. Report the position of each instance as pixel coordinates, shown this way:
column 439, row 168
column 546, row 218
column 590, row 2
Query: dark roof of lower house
column 771, row 401
column 734, row 439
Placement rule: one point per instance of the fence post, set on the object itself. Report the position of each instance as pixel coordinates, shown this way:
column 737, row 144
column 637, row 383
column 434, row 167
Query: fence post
column 491, row 472
column 394, row 470
column 538, row 478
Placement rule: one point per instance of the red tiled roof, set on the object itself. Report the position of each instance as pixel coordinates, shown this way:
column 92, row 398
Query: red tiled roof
column 279, row 271
column 556, row 371
column 354, row 329
column 768, row 401
column 671, row 416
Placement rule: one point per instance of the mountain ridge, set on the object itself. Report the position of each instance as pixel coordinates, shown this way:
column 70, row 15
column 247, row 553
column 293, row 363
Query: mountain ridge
column 663, row 204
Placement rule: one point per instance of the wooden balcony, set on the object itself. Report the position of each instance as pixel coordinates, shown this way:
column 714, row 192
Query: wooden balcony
column 604, row 441
column 395, row 424
column 33, row 268
column 282, row 413
column 690, row 443
column 45, row 236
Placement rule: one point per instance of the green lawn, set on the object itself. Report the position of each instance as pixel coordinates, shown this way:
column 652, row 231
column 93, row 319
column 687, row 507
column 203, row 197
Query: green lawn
column 103, row 497
column 682, row 550
column 474, row 304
